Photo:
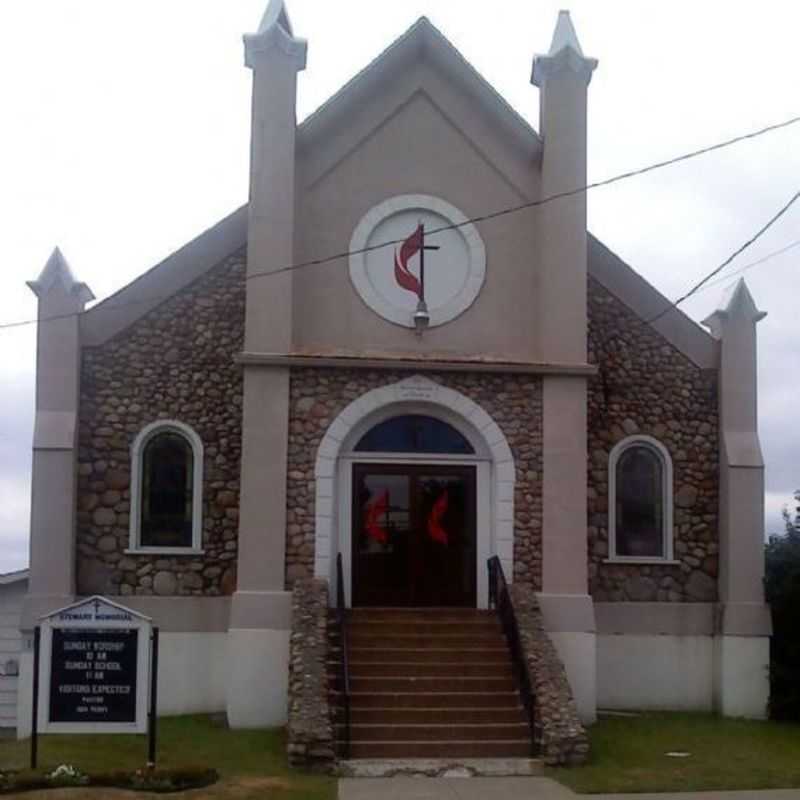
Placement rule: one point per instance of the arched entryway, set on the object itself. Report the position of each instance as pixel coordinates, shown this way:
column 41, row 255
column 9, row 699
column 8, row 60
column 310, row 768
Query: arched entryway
column 415, row 488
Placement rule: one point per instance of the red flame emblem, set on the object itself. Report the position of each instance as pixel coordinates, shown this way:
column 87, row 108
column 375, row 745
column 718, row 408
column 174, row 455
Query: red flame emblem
column 404, row 277
column 374, row 509
column 435, row 529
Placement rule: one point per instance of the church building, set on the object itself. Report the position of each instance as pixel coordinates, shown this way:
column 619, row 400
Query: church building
column 404, row 360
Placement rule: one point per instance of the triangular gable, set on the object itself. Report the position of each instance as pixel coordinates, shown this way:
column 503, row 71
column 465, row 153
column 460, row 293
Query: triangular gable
column 422, row 44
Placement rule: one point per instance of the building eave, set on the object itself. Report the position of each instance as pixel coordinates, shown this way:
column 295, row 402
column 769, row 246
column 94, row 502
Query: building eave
column 164, row 280
column 646, row 302
column 18, row 576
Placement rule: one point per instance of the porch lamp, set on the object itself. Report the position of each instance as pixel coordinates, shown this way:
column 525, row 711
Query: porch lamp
column 421, row 318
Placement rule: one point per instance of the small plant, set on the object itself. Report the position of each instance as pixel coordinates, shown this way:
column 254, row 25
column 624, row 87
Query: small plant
column 67, row 775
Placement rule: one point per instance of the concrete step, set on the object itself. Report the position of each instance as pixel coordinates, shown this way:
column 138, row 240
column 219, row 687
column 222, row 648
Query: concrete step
column 432, row 716
column 492, row 655
column 393, row 699
column 464, row 732
column 419, row 614
column 455, row 640
column 432, row 749
column 429, row 669
column 454, row 683
column 443, row 768
column 424, row 627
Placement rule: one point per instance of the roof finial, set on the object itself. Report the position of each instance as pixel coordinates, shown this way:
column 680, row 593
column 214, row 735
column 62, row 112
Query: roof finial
column 276, row 13
column 736, row 302
column 57, row 271
column 564, row 35
column 565, row 52
column 275, row 29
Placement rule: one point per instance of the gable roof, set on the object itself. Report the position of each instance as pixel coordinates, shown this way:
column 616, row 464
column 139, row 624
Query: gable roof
column 422, row 42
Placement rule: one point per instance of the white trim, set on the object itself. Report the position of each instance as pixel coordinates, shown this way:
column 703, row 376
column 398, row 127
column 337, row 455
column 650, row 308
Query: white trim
column 656, row 447
column 142, row 438
column 495, row 472
column 476, row 272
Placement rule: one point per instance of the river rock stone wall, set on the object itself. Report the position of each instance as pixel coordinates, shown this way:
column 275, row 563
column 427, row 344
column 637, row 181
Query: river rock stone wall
column 560, row 735
column 175, row 363
column 645, row 386
column 311, row 743
column 317, row 396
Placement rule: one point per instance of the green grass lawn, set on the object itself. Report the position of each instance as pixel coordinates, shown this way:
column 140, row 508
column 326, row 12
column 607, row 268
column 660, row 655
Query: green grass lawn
column 252, row 764
column 628, row 755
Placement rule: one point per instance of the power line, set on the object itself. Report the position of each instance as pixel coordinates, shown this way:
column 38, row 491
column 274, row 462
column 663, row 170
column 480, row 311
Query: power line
column 746, row 267
column 482, row 218
column 605, row 341
column 535, row 203
column 754, row 238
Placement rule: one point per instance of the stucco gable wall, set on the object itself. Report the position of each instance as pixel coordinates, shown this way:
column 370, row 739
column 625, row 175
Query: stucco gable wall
column 417, row 149
column 647, row 386
column 175, row 363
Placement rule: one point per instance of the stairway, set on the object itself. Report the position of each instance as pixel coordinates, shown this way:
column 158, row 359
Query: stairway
column 429, row 684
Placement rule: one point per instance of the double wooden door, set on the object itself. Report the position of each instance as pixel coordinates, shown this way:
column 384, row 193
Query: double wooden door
column 413, row 535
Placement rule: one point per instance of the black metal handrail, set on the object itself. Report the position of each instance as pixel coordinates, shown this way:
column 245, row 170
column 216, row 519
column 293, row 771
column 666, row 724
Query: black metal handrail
column 344, row 667
column 500, row 600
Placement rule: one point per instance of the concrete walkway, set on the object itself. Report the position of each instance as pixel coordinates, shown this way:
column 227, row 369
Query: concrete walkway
column 514, row 789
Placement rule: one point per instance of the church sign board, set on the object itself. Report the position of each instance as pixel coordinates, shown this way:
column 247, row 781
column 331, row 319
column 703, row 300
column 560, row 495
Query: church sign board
column 94, row 669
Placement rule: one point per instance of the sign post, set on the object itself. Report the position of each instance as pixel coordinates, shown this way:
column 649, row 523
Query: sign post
column 37, row 640
column 95, row 672
column 153, row 713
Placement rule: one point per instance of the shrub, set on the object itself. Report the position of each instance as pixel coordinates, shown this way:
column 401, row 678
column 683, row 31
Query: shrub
column 782, row 586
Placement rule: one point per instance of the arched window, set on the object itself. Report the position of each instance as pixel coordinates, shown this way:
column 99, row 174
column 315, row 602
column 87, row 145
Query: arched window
column 166, row 489
column 640, row 500
column 414, row 433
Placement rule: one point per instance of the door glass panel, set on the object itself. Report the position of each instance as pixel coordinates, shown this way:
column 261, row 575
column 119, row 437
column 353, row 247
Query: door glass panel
column 385, row 513
column 446, row 558
column 382, row 515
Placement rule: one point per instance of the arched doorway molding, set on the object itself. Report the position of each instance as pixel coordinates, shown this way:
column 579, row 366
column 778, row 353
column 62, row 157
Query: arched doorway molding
column 418, row 394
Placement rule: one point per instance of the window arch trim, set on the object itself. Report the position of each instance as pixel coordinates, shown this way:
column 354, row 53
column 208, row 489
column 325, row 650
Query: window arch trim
column 663, row 455
column 143, row 438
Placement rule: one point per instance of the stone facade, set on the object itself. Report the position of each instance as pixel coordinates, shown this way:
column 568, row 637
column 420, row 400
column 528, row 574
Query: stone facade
column 645, row 386
column 176, row 362
column 319, row 395
column 561, row 737
column 310, row 731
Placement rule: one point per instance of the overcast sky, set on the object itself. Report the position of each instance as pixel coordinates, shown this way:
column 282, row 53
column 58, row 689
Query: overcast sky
column 125, row 132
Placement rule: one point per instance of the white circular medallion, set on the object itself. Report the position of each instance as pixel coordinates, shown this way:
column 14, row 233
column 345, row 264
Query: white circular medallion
column 389, row 279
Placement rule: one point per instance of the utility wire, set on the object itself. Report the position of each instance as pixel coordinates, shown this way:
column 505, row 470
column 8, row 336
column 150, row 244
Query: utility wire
column 543, row 201
column 602, row 346
column 483, row 218
column 754, row 238
column 746, row 267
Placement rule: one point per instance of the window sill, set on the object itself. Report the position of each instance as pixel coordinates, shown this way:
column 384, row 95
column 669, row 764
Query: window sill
column 164, row 551
column 633, row 560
